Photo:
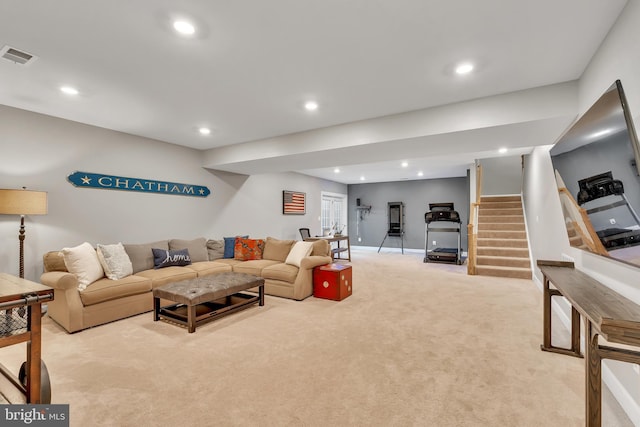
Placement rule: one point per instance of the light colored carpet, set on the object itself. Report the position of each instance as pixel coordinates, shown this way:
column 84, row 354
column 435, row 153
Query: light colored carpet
column 415, row 345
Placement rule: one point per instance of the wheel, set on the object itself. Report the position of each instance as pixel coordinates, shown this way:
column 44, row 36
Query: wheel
column 45, row 384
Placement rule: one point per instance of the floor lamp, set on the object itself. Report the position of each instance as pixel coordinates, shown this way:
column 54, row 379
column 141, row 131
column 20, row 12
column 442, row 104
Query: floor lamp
column 22, row 202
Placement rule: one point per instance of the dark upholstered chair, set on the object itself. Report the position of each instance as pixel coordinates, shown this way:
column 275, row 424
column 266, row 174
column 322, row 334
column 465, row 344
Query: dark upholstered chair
column 304, row 232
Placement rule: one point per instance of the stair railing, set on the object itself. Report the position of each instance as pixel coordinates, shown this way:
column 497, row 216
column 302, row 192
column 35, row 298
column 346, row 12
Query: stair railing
column 472, row 229
column 577, row 218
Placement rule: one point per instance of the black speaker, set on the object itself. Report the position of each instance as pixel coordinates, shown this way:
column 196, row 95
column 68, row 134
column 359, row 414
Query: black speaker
column 357, row 202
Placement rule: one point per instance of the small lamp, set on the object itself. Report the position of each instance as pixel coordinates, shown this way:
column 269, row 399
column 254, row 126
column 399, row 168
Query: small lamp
column 22, row 202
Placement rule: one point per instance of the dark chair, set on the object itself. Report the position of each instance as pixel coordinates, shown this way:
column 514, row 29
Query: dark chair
column 304, row 232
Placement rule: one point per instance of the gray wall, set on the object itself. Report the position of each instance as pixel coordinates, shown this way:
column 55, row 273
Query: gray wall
column 501, row 175
column 416, row 196
column 39, row 152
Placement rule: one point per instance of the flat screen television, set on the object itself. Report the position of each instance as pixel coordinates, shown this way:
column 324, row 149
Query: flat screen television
column 597, row 166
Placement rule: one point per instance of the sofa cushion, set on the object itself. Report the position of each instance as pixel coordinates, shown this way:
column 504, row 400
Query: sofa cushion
column 141, row 255
column 107, row 289
column 229, row 261
column 248, row 249
column 276, row 249
column 53, row 261
column 166, row 258
column 321, row 248
column 166, row 275
column 230, row 245
column 253, row 267
column 115, row 261
column 215, row 249
column 300, row 250
column 83, row 262
column 209, row 267
column 285, row 272
column 197, row 248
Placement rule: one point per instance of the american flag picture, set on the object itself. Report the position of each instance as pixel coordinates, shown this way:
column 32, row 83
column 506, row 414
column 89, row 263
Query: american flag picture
column 293, row 203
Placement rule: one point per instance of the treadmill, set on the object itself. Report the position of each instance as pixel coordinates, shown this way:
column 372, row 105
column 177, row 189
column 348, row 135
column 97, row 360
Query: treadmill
column 439, row 213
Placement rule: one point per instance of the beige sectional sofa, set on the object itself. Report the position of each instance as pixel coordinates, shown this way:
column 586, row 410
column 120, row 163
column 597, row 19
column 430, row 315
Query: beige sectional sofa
column 77, row 307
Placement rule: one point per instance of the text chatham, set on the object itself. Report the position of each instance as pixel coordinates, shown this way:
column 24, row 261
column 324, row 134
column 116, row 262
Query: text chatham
column 128, row 184
column 83, row 179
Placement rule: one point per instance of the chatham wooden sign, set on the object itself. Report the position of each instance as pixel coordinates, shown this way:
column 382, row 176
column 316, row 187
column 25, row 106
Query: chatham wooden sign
column 111, row 182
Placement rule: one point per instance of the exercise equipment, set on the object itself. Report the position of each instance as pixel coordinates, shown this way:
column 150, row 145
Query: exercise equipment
column 361, row 210
column 395, row 216
column 602, row 185
column 442, row 212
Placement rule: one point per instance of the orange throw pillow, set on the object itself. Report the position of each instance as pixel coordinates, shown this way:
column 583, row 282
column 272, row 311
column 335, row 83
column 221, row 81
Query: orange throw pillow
column 248, row 249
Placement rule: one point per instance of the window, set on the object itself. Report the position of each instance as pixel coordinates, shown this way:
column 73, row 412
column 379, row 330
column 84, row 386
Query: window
column 333, row 218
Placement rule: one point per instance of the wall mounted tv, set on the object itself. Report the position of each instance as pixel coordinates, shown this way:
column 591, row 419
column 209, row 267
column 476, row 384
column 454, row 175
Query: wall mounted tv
column 597, row 166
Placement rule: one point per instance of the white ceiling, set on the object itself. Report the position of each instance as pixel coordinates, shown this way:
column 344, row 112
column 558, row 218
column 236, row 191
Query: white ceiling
column 252, row 64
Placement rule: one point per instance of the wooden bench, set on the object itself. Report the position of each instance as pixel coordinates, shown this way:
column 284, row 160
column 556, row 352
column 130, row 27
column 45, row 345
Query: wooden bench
column 605, row 313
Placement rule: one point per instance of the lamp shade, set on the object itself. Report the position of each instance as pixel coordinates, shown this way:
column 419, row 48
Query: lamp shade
column 23, row 202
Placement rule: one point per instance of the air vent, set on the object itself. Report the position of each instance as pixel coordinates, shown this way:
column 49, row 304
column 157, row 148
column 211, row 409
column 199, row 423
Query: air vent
column 16, row 56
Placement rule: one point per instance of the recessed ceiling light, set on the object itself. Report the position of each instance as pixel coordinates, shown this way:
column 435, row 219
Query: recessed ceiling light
column 362, row 178
column 464, row 68
column 184, row 27
column 311, row 106
column 204, row 131
column 404, row 164
column 420, row 173
column 69, row 90
column 336, row 170
column 502, row 150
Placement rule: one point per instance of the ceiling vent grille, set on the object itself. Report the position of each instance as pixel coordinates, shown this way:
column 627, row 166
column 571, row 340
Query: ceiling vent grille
column 17, row 56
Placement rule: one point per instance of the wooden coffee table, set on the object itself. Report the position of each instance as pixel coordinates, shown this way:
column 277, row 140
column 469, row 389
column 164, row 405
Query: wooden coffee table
column 207, row 298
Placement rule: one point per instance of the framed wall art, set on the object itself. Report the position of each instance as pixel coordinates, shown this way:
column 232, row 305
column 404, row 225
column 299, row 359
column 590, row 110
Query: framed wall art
column 293, row 202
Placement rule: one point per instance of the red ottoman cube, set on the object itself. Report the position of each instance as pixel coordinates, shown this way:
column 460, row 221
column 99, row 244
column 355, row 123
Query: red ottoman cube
column 332, row 281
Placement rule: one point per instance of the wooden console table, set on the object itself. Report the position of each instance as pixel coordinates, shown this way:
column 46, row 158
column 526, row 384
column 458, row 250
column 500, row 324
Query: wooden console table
column 335, row 251
column 605, row 313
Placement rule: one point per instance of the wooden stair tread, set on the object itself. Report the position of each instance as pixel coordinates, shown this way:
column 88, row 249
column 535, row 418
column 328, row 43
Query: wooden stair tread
column 501, row 267
column 502, row 234
column 499, row 271
column 509, row 219
column 509, row 252
column 500, row 199
column 520, row 258
column 501, row 243
column 504, row 261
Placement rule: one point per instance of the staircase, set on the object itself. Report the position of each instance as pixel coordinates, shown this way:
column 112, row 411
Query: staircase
column 502, row 248
column 575, row 239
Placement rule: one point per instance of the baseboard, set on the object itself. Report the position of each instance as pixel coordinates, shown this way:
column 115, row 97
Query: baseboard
column 394, row 249
column 620, row 393
column 629, row 405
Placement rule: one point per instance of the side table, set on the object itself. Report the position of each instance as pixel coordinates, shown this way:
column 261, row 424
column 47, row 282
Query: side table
column 20, row 321
column 332, row 281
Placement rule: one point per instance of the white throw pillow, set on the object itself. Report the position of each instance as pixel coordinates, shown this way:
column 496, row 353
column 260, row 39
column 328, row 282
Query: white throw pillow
column 115, row 261
column 300, row 250
column 83, row 261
